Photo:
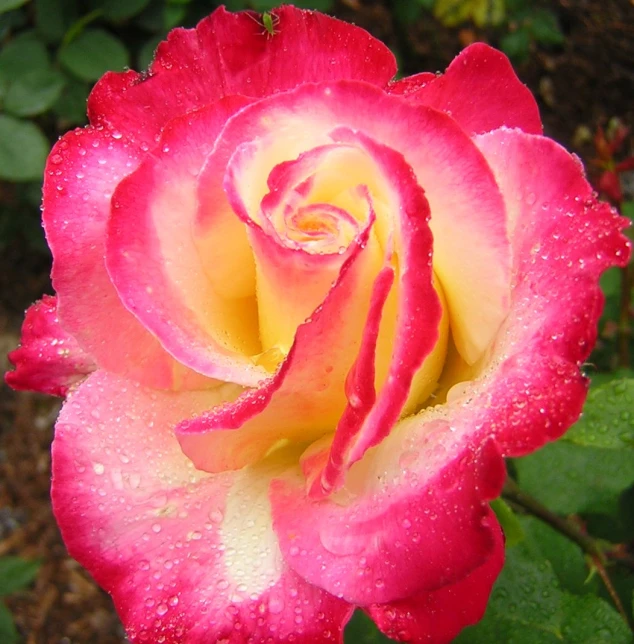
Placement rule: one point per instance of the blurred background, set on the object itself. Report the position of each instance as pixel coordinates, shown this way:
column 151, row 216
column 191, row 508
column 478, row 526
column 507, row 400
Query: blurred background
column 577, row 57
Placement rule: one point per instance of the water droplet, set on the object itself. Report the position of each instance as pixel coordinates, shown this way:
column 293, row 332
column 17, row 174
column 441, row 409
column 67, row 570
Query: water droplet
column 215, row 516
column 408, row 458
column 276, row 605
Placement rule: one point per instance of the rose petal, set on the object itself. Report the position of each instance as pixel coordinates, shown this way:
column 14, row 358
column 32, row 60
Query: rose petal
column 293, row 277
column 229, row 54
column 425, row 505
column 161, row 268
column 83, row 170
column 480, row 90
column 562, row 240
column 438, row 616
column 183, row 553
column 413, row 336
column 306, row 396
column 48, row 360
column 410, row 84
column 471, row 248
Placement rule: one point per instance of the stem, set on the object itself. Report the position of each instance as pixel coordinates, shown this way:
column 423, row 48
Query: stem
column 598, row 551
column 605, row 551
column 531, row 505
column 607, row 582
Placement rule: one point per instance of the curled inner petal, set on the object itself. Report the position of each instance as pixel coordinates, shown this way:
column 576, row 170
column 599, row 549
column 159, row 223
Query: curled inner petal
column 320, row 228
column 299, row 240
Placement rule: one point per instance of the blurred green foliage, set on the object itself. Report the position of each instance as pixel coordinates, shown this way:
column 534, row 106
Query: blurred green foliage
column 513, row 25
column 15, row 575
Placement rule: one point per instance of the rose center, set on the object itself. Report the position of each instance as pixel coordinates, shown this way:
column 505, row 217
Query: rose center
column 319, row 227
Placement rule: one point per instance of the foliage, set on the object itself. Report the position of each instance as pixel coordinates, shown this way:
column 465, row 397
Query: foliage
column 15, row 575
column 482, row 12
column 527, row 23
column 540, row 598
column 513, row 25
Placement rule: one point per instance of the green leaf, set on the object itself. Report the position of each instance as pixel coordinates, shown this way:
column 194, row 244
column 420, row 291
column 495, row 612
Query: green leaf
column 54, row 17
column 516, row 44
column 544, row 28
column 362, row 630
column 524, row 605
column 317, row 5
column 151, row 18
column 118, row 10
column 512, row 528
column 16, row 573
column 9, row 5
column 71, row 105
column 601, row 378
column 173, row 15
column 34, row 92
column 8, row 632
column 407, row 12
column 517, row 8
column 608, row 417
column 590, row 620
column 146, row 54
column 527, row 606
column 627, row 209
column 79, row 26
column 566, row 558
column 482, row 12
column 93, row 53
column 23, row 150
column 234, row 5
column 569, row 478
column 488, row 12
column 263, row 5
column 610, row 281
column 22, row 55
column 10, row 22
column 452, row 12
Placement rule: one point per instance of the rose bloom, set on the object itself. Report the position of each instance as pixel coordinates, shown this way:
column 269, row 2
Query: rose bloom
column 303, row 311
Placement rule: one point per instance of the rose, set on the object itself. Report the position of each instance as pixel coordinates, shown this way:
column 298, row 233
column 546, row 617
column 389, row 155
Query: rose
column 302, row 312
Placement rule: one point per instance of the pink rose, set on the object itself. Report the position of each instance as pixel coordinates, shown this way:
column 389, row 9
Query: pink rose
column 317, row 307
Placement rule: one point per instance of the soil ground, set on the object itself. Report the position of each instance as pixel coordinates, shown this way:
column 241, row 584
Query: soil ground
column 582, row 84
